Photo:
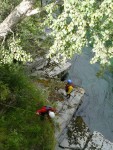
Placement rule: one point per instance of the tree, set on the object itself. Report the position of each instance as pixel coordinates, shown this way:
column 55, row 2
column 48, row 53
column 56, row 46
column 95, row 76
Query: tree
column 15, row 16
column 25, row 8
column 12, row 44
column 83, row 23
column 11, row 48
column 74, row 24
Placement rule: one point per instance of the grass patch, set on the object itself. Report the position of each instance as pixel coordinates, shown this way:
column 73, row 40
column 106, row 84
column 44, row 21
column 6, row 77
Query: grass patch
column 20, row 127
column 52, row 86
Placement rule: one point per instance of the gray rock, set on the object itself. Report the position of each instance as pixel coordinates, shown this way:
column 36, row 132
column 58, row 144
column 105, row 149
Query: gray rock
column 98, row 142
column 74, row 133
column 66, row 113
column 58, row 69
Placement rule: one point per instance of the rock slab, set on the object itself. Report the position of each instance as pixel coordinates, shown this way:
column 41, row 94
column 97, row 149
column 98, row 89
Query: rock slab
column 74, row 133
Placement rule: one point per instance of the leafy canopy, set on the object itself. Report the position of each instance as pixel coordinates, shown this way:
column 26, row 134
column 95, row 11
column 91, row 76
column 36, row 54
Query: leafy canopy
column 74, row 24
column 82, row 23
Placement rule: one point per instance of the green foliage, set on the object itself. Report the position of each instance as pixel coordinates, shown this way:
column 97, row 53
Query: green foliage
column 6, row 6
column 34, row 40
column 27, row 37
column 20, row 127
column 74, row 25
column 80, row 24
column 4, row 91
column 13, row 51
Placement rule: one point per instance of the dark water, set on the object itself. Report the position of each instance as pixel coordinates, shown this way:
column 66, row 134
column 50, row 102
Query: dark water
column 97, row 107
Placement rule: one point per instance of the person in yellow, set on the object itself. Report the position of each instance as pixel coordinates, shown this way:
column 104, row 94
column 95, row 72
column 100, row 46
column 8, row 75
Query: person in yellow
column 69, row 88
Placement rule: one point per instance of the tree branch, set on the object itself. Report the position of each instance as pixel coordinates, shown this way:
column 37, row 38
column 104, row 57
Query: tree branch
column 33, row 12
column 22, row 10
column 15, row 16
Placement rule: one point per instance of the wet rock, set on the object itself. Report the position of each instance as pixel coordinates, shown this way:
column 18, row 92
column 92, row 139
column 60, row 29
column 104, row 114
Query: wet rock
column 98, row 142
column 64, row 143
column 58, row 69
column 74, row 134
column 37, row 64
column 66, row 111
column 41, row 66
column 61, row 91
column 78, row 133
column 79, row 137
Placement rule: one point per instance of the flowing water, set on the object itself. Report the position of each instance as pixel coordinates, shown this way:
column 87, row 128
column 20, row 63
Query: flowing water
column 97, row 106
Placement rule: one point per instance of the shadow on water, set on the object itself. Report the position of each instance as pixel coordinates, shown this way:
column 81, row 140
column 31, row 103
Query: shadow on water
column 97, row 106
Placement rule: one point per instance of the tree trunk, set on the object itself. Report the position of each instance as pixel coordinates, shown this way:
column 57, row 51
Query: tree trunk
column 15, row 16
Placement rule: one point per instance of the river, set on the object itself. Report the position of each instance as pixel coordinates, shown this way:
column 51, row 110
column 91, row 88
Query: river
column 97, row 106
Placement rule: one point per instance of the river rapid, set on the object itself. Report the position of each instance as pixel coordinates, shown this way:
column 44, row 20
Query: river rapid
column 97, row 106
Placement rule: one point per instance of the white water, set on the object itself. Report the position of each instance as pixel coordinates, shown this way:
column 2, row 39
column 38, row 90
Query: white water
column 97, row 107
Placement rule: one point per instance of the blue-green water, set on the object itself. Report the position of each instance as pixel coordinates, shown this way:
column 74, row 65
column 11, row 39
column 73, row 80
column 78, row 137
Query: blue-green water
column 97, row 107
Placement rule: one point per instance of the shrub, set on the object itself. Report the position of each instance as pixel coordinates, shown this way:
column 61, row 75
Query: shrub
column 21, row 128
column 4, row 91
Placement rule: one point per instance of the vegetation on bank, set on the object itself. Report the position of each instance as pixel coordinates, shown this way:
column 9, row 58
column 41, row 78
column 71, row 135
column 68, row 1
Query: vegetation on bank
column 20, row 127
column 52, row 85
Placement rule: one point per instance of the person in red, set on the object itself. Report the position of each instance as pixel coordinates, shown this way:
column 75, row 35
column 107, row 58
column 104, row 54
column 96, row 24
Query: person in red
column 46, row 110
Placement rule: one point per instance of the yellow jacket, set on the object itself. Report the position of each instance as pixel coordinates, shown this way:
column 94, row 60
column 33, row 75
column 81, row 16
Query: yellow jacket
column 70, row 89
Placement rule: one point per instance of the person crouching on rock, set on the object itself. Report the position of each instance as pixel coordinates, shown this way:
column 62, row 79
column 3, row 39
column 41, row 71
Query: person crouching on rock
column 46, row 111
column 69, row 88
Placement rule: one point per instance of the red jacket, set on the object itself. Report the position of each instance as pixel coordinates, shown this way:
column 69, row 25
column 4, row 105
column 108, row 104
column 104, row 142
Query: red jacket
column 45, row 110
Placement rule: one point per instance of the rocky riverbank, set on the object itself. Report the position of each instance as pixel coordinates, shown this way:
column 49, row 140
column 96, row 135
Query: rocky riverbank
column 66, row 110
column 74, row 133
